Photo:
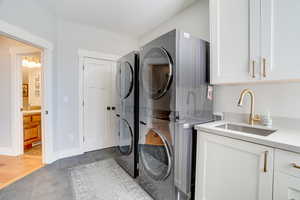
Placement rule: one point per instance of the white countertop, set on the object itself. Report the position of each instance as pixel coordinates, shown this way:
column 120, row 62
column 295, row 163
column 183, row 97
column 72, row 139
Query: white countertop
column 283, row 138
column 27, row 112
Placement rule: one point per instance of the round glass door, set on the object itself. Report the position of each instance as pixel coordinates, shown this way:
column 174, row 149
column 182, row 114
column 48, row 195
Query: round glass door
column 155, row 156
column 124, row 79
column 157, row 72
column 125, row 138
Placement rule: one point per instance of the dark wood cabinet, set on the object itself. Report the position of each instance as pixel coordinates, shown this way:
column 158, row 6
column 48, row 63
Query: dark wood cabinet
column 32, row 129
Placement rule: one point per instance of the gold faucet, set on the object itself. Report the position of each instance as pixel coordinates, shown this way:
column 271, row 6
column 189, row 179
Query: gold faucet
column 252, row 118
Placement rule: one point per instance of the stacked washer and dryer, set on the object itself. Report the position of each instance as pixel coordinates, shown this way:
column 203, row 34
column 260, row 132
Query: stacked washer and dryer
column 173, row 97
column 127, row 112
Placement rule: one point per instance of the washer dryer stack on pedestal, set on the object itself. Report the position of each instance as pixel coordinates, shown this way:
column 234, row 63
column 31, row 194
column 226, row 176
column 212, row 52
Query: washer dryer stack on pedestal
column 127, row 112
column 173, row 96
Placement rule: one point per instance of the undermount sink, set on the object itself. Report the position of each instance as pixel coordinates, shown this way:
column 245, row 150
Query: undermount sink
column 247, row 129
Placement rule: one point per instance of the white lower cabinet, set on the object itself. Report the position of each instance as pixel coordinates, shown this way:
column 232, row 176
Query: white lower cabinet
column 230, row 169
column 286, row 176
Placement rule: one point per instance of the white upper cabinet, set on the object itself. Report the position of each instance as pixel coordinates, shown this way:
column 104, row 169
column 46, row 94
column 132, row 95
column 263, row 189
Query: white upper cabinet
column 254, row 40
column 234, row 40
column 280, row 39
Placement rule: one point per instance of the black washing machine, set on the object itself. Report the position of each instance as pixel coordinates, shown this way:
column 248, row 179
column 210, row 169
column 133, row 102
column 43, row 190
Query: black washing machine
column 127, row 112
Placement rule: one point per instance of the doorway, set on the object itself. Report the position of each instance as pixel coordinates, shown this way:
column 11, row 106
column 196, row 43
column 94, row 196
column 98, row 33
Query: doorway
column 31, row 103
column 22, row 120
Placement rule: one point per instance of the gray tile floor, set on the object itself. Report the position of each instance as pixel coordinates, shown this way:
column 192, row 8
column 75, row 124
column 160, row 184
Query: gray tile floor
column 51, row 182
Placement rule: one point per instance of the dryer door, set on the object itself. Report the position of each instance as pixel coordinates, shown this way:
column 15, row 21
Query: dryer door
column 155, row 155
column 157, row 72
column 124, row 79
column 125, row 137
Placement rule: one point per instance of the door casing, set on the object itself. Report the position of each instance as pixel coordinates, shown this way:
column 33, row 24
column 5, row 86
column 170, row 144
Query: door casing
column 22, row 35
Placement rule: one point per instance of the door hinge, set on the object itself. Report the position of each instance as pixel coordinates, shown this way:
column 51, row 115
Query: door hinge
column 83, row 138
column 83, row 68
column 82, row 103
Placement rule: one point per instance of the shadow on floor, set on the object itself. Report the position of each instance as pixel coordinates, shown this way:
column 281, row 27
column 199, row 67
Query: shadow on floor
column 52, row 182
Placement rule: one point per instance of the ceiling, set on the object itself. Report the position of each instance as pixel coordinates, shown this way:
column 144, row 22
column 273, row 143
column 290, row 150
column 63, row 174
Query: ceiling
column 131, row 17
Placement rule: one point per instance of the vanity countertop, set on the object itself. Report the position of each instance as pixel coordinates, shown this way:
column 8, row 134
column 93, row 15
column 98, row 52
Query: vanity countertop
column 30, row 112
column 284, row 138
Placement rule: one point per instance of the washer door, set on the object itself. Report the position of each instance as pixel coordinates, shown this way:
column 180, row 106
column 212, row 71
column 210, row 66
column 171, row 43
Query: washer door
column 157, row 72
column 125, row 137
column 124, row 79
column 155, row 155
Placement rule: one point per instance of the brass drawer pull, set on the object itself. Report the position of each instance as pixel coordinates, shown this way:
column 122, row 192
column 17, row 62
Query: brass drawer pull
column 253, row 68
column 264, row 61
column 266, row 161
column 295, row 166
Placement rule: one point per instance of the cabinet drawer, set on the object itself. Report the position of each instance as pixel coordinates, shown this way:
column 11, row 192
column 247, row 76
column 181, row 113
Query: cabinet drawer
column 285, row 161
column 36, row 118
column 27, row 119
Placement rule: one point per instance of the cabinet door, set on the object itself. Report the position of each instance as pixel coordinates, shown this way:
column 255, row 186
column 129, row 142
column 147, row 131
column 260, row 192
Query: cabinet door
column 27, row 133
column 230, row 169
column 280, row 39
column 235, row 41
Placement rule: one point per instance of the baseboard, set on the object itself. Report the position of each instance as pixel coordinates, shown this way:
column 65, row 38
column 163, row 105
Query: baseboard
column 7, row 151
column 68, row 153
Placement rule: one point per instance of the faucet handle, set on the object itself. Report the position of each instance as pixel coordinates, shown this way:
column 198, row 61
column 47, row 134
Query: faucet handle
column 256, row 118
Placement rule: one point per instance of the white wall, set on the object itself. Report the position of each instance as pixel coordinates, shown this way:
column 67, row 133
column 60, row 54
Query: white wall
column 194, row 20
column 280, row 99
column 67, row 38
column 72, row 37
column 29, row 16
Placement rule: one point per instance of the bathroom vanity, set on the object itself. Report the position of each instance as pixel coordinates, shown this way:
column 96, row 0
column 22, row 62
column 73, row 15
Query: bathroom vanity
column 32, row 128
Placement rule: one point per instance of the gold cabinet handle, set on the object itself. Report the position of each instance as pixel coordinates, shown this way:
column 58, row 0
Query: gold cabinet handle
column 295, row 166
column 266, row 161
column 264, row 63
column 253, row 68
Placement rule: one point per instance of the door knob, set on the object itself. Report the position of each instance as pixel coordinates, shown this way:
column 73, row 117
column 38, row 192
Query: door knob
column 108, row 108
column 113, row 108
column 143, row 123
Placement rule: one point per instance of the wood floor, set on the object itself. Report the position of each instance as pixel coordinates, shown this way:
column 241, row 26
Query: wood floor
column 15, row 168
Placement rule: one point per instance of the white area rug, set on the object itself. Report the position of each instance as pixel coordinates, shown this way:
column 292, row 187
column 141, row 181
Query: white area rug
column 105, row 180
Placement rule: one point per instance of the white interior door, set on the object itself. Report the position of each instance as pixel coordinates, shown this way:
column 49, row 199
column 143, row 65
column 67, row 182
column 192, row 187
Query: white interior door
column 97, row 98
